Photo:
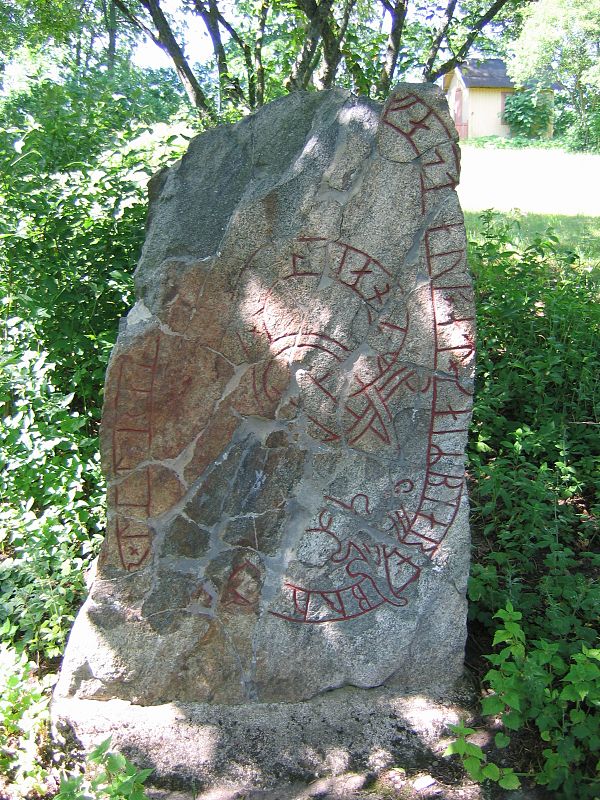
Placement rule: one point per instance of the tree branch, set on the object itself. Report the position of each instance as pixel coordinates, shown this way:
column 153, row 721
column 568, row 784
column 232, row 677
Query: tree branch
column 259, row 69
column 213, row 18
column 439, row 38
column 165, row 39
column 247, row 53
column 332, row 42
column 319, row 30
column 228, row 84
column 475, row 30
column 398, row 14
column 304, row 66
column 136, row 22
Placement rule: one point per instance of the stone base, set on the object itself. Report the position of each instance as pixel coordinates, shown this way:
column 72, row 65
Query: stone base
column 198, row 747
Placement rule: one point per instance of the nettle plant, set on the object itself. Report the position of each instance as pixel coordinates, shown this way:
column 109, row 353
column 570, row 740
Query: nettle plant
column 73, row 189
column 107, row 775
column 532, row 685
column 476, row 762
column 75, row 157
column 534, row 460
column 51, row 512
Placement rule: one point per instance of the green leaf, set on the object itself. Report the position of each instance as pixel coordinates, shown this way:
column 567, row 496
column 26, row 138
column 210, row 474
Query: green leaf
column 459, row 747
column 491, row 771
column 474, row 750
column 512, row 699
column 451, row 750
column 572, row 693
column 461, row 730
column 509, row 780
column 98, row 752
column 513, row 720
column 500, row 636
column 491, row 705
column 501, row 740
column 473, row 767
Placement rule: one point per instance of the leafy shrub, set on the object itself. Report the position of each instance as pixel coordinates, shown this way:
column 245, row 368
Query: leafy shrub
column 475, row 761
column 74, row 164
column 23, row 720
column 533, row 685
column 51, row 490
column 533, row 452
column 72, row 208
column 581, row 134
column 516, row 143
column 534, row 459
column 107, row 775
column 529, row 113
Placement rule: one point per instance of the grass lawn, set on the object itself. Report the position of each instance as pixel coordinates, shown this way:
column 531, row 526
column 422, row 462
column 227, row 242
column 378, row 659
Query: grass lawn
column 534, row 190
column 533, row 181
column 581, row 234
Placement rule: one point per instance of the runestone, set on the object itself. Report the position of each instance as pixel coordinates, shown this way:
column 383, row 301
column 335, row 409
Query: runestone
column 285, row 418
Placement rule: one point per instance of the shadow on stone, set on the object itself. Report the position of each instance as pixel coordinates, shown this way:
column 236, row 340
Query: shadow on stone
column 283, row 579
column 237, row 749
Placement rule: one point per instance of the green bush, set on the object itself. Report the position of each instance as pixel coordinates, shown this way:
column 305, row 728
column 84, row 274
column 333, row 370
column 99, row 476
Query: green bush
column 51, row 490
column 73, row 169
column 529, row 113
column 476, row 762
column 516, row 143
column 533, row 685
column 24, row 703
column 107, row 775
column 26, row 770
column 533, row 451
column 581, row 134
column 534, row 461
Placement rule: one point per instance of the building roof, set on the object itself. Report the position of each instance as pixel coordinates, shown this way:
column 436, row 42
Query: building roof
column 488, row 73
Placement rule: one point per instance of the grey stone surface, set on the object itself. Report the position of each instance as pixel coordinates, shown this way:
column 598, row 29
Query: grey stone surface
column 211, row 747
column 285, row 419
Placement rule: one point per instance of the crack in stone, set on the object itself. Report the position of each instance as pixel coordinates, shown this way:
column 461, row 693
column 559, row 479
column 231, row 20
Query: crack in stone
column 321, row 166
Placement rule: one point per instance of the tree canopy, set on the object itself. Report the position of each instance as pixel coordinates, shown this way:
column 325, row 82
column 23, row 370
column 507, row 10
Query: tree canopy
column 264, row 48
column 559, row 46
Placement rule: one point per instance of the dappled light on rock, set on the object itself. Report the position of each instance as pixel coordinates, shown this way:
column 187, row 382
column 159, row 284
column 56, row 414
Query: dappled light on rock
column 283, row 436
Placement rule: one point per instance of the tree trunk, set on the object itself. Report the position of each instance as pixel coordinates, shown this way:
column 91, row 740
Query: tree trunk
column 429, row 74
column 398, row 13
column 229, row 85
column 111, row 26
column 259, row 70
column 166, row 40
column 319, row 32
column 333, row 36
column 439, row 36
